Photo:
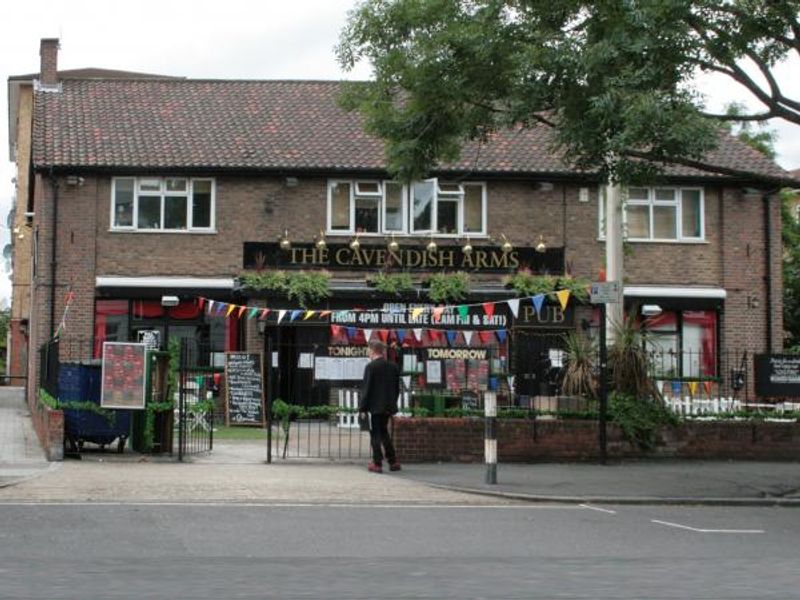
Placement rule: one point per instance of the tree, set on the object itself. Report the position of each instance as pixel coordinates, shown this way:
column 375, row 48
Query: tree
column 612, row 78
column 791, row 272
column 760, row 138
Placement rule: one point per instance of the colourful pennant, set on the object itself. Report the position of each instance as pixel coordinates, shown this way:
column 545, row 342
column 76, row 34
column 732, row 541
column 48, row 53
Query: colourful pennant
column 416, row 312
column 513, row 304
column 210, row 306
column 692, row 388
column 485, row 336
column 336, row 330
column 231, row 308
column 538, row 300
column 467, row 336
column 351, row 332
column 563, row 298
column 437, row 313
column 383, row 334
column 295, row 314
column 241, row 311
column 281, row 314
column 200, row 302
column 501, row 335
column 401, row 335
column 367, row 335
column 463, row 311
column 324, row 314
column 451, row 337
column 253, row 312
column 488, row 308
column 707, row 387
column 417, row 331
column 220, row 308
column 308, row 315
column 264, row 313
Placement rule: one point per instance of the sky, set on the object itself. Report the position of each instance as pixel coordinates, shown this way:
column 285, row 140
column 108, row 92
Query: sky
column 244, row 39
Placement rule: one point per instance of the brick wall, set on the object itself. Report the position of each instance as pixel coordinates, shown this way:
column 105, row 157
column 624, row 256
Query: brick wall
column 461, row 440
column 49, row 426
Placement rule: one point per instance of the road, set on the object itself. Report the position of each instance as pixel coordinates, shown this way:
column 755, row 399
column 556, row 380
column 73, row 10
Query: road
column 110, row 550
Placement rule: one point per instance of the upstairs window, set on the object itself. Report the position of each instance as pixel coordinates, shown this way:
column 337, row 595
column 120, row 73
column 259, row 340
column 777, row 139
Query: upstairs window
column 162, row 204
column 426, row 207
column 660, row 214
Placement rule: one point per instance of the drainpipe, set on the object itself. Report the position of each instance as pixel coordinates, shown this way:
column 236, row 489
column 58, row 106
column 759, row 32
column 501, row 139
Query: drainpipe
column 54, row 185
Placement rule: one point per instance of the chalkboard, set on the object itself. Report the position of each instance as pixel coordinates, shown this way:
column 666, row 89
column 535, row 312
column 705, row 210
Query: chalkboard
column 244, row 396
column 123, row 375
column 777, row 374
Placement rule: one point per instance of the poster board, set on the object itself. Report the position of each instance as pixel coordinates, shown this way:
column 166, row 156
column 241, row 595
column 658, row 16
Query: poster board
column 244, row 389
column 777, row 375
column 123, row 375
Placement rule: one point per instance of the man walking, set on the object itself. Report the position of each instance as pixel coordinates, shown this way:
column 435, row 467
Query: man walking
column 379, row 392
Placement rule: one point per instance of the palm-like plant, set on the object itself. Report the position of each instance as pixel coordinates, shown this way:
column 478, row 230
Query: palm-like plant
column 629, row 362
column 579, row 372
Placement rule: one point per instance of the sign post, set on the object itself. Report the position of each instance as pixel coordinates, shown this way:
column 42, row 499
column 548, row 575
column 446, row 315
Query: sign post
column 490, row 436
column 602, row 293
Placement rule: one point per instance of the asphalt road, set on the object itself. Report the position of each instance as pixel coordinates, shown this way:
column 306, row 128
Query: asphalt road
column 349, row 551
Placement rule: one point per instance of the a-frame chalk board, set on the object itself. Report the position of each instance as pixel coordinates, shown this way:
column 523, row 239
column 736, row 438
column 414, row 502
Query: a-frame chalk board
column 244, row 389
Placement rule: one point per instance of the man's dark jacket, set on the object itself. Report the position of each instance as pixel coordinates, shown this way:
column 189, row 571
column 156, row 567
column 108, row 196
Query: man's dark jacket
column 380, row 387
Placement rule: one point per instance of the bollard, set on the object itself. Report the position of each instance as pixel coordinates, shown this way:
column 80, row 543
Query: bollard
column 490, row 436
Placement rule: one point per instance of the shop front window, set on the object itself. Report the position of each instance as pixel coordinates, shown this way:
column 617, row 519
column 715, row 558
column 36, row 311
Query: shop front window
column 684, row 343
column 110, row 323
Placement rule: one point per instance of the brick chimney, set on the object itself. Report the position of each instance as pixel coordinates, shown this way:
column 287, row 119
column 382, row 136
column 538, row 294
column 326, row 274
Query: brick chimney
column 48, row 72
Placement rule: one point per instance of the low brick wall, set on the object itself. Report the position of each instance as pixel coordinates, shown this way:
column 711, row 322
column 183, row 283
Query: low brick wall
column 49, row 425
column 461, row 440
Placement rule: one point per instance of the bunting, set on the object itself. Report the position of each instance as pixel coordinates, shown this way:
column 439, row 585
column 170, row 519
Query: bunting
column 308, row 315
column 451, row 337
column 538, row 300
column 241, row 311
column 513, row 304
column 468, row 336
column 210, row 306
column 264, row 313
column 416, row 312
column 693, row 388
column 336, row 330
column 253, row 312
column 295, row 314
column 437, row 313
column 707, row 386
column 220, row 308
column 351, row 332
column 401, row 335
column 563, row 298
column 501, row 335
column 231, row 308
column 488, row 308
column 281, row 314
column 463, row 311
column 383, row 334
column 367, row 335
column 200, row 302
column 417, row 333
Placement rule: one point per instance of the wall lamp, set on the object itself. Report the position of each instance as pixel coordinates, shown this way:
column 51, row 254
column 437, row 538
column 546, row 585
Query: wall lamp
column 392, row 246
column 321, row 244
column 467, row 247
column 541, row 246
column 355, row 244
column 432, row 246
column 284, row 241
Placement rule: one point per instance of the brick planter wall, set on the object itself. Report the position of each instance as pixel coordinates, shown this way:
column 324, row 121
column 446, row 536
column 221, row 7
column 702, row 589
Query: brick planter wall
column 49, row 425
column 461, row 440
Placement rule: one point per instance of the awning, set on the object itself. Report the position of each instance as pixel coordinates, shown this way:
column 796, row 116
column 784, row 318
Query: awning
column 667, row 291
column 166, row 282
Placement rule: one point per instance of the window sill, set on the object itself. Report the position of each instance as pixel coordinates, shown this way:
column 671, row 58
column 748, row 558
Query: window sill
column 670, row 242
column 402, row 236
column 166, row 231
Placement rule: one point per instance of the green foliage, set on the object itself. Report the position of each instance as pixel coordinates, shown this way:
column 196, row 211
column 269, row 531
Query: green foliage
column 303, row 287
column 610, row 81
column 759, row 138
column 448, row 287
column 392, row 283
column 629, row 362
column 55, row 404
column 640, row 419
column 581, row 363
column 526, row 283
column 791, row 271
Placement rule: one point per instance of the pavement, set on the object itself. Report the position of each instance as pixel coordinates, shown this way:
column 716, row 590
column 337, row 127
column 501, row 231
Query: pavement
column 641, row 482
column 21, row 456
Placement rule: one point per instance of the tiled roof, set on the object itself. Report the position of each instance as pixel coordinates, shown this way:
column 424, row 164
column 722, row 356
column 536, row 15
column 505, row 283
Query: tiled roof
column 287, row 125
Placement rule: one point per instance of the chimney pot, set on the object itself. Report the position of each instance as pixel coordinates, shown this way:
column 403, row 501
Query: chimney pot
column 48, row 52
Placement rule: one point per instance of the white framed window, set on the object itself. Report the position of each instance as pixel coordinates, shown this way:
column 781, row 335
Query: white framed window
column 662, row 214
column 424, row 207
column 162, row 204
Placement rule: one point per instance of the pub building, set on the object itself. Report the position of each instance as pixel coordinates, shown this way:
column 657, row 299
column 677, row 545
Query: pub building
column 138, row 195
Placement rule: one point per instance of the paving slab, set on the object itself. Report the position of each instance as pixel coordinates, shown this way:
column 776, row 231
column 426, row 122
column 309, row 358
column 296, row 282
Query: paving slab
column 21, row 456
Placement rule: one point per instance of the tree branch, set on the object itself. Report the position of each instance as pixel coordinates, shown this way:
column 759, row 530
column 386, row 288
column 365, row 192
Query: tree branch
column 734, row 118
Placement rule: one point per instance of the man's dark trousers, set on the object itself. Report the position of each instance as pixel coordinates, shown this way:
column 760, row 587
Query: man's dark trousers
column 379, row 436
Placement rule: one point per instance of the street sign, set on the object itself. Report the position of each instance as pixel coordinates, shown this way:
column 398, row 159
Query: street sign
column 605, row 292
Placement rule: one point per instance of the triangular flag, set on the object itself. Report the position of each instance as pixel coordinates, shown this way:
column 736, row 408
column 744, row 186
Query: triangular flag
column 463, row 311
column 467, row 336
column 563, row 298
column 401, row 335
column 451, row 337
column 437, row 313
column 692, row 388
column 253, row 312
column 407, row 381
column 510, row 380
column 383, row 334
column 501, row 335
column 538, row 300
column 707, row 387
column 308, row 315
column 281, row 314
column 295, row 313
column 367, row 335
column 351, row 332
column 200, row 302
column 417, row 333
column 210, row 306
column 220, row 308
column 241, row 311
column 485, row 336
column 231, row 308
column 324, row 313
column 416, row 312
column 264, row 313
column 488, row 308
column 336, row 330
column 513, row 304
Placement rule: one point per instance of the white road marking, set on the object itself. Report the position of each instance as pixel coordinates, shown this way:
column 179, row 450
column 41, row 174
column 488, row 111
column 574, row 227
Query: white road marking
column 696, row 530
column 295, row 505
column 605, row 510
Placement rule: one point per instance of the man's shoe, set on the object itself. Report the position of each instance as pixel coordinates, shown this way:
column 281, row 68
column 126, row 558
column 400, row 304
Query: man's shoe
column 395, row 466
column 374, row 468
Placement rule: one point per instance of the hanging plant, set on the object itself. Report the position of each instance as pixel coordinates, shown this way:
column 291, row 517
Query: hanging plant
column 300, row 286
column 448, row 287
column 391, row 283
column 526, row 283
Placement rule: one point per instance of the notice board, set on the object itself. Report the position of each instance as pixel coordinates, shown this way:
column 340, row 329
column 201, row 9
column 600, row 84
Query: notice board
column 777, row 375
column 123, row 375
column 244, row 389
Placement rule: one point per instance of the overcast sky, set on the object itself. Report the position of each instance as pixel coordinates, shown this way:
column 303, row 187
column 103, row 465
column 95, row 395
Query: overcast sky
column 268, row 39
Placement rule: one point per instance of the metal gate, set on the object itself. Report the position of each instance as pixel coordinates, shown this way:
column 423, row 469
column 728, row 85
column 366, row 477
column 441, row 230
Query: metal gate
column 196, row 389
